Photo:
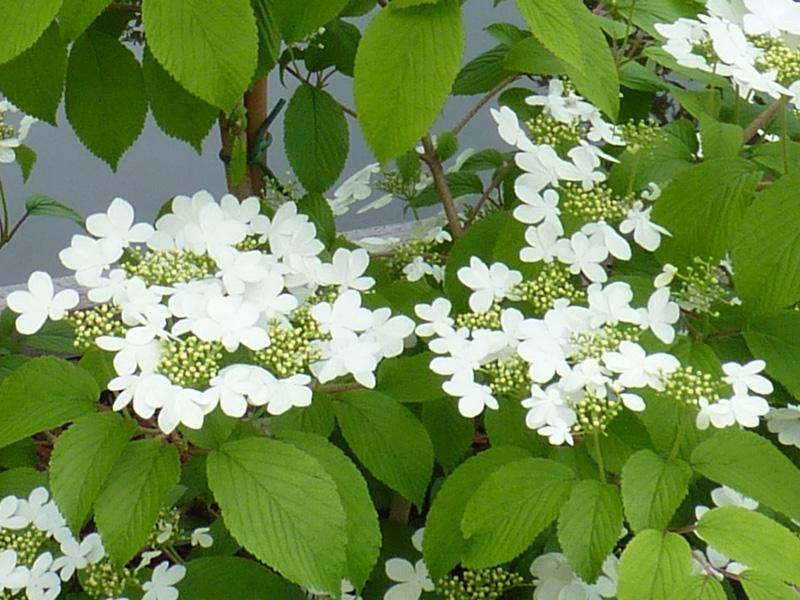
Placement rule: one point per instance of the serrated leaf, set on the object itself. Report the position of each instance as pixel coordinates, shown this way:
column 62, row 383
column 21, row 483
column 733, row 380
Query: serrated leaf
column 298, row 18
column 443, row 543
column 318, row 418
column 105, row 96
column 316, row 137
column 281, row 504
column 529, row 56
column 624, row 436
column 752, row 539
column 751, row 465
column 774, row 338
column 21, row 481
column 653, row 489
column 26, row 158
column 450, row 433
column 23, row 23
column 589, row 525
column 361, row 519
column 319, row 211
column 216, row 430
column 759, row 586
column 215, row 577
column 703, row 208
column 210, row 47
column 511, row 507
column 405, row 67
column 653, row 565
column 482, row 73
column 177, row 112
column 269, row 38
column 44, row 393
column 45, row 206
column 700, row 587
column 34, row 80
column 337, row 47
column 76, row 15
column 506, row 427
column 127, row 507
column 409, row 379
column 82, row 459
column 388, row 439
column 767, row 249
column 720, row 140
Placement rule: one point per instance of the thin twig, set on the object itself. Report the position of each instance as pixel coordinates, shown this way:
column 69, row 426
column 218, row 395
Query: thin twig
column 299, row 77
column 498, row 179
column 338, row 388
column 763, row 119
column 431, row 158
column 482, row 102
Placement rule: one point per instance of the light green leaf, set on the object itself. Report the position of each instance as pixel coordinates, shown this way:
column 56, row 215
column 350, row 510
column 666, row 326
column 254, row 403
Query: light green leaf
column 700, row 587
column 752, row 539
column 298, row 18
column 216, row 430
column 281, row 504
column 34, row 80
column 388, row 439
column 316, row 137
column 269, row 38
column 751, row 465
column 398, row 4
column 759, row 586
column 653, row 565
column 44, row 393
column 450, row 432
column 405, row 67
column 529, row 56
column 76, row 15
column 653, row 489
column 44, row 206
column 776, row 339
column 23, row 23
column 210, row 47
column 511, row 507
column 215, row 577
column 177, row 112
column 99, row 363
column 623, row 437
column 506, row 427
column 482, row 73
column 361, row 519
column 21, row 481
column 589, row 525
column 82, row 459
column 720, row 140
column 443, row 543
column 767, row 250
column 127, row 507
column 703, row 208
column 105, row 96
column 646, row 13
column 318, row 418
column 553, row 24
column 409, row 379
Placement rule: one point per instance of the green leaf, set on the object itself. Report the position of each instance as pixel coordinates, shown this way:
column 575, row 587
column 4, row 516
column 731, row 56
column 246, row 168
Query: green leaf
column 767, row 250
column 388, row 439
column 319, row 211
column 281, row 504
column 450, row 432
column 774, row 338
column 177, row 112
column 646, row 13
column 100, row 365
column 210, row 47
column 76, row 15
column 361, row 519
column 216, row 430
column 405, row 67
column 318, row 418
column 623, row 437
column 20, row 454
column 720, row 140
column 269, row 38
column 653, row 565
column 42, row 394
column 506, row 427
column 511, row 507
column 45, row 206
column 34, row 80
column 21, row 482
column 55, row 337
column 82, row 459
column 703, row 208
column 105, row 96
column 398, row 4
column 461, row 183
column 26, row 158
column 298, row 18
column 589, row 525
column 127, row 507
column 336, row 47
column 482, row 73
column 759, row 586
column 443, row 543
column 653, row 489
column 23, row 23
column 215, row 577
column 569, row 30
column 529, row 56
column 409, row 379
column 316, row 137
column 700, row 587
column 751, row 465
column 754, row 540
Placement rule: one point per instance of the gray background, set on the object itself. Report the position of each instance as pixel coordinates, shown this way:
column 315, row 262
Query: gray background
column 158, row 167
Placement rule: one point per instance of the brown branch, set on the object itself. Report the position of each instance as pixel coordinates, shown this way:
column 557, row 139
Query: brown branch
column 431, row 158
column 498, row 179
column 256, row 101
column 338, row 388
column 399, row 509
column 124, row 6
column 482, row 102
column 764, row 118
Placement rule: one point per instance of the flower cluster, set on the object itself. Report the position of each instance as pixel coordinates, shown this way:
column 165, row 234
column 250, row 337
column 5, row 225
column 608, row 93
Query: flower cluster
column 12, row 137
column 218, row 305
column 751, row 42
column 554, row 578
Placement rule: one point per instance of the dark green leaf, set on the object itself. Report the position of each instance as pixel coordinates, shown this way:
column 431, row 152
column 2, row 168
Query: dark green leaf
column 45, row 206
column 450, row 432
column 76, row 15
column 216, row 577
column 23, row 23
column 482, row 73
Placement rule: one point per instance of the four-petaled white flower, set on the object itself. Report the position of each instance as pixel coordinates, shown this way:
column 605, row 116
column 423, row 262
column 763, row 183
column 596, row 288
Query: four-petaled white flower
column 583, row 256
column 13, row 576
column 785, row 422
column 637, row 369
column 39, row 303
column 660, row 315
column 508, row 125
column 473, row 397
column 489, row 283
column 746, row 378
column 645, row 233
column 542, row 243
column 202, row 537
column 162, row 583
column 116, row 225
column 77, row 555
column 346, row 270
column 232, row 321
column 436, row 317
column 89, row 257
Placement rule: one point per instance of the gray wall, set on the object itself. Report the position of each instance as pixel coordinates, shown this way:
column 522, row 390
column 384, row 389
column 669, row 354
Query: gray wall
column 158, row 167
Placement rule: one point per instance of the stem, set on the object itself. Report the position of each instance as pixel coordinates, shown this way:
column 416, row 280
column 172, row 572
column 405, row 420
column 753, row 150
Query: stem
column 440, row 181
column 498, row 179
column 16, row 227
column 4, row 224
column 296, row 74
column 227, row 137
column 625, row 39
column 338, row 388
column 173, row 554
column 134, row 8
column 256, row 101
column 600, row 464
column 482, row 102
column 785, row 141
column 763, row 119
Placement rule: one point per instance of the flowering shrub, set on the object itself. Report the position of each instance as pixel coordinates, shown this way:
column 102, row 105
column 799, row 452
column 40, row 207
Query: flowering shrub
column 575, row 379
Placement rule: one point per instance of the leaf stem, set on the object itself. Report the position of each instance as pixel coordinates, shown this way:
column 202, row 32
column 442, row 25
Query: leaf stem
column 346, row 109
column 399, row 509
column 338, row 388
column 763, row 119
column 498, row 179
column 482, row 102
column 431, row 158
column 600, row 463
column 4, row 224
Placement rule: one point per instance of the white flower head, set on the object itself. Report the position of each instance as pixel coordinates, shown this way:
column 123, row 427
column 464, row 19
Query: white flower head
column 116, row 225
column 162, row 583
column 39, row 303
column 489, row 283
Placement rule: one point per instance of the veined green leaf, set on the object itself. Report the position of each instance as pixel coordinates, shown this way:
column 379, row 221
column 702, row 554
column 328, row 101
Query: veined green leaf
column 76, row 15
column 23, row 23
column 665, row 558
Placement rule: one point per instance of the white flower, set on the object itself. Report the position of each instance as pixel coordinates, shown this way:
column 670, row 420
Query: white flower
column 131, row 355
column 354, row 189
column 162, row 582
column 202, row 537
column 116, row 225
column 284, row 394
column 611, row 304
column 436, row 316
column 542, row 243
column 39, row 303
column 465, row 355
column 88, row 257
column 583, row 256
column 389, row 332
column 417, row 269
column 345, row 314
column 182, row 406
column 582, row 168
column 719, row 414
column 12, row 575
column 347, row 353
column 542, row 166
column 564, row 109
column 555, row 580
column 786, row 423
column 741, row 408
column 230, row 389
column 346, row 270
column 746, row 377
column 645, row 233
column 78, row 555
column 637, row 369
column 538, row 207
column 601, row 131
column 171, row 228
column 548, row 407
column 508, row 126
column 291, row 236
column 472, row 397
column 43, row 514
column 43, row 583
column 489, row 284
column 544, row 353
column 213, row 230
column 142, row 390
column 771, row 17
column 412, row 579
column 666, row 276
column 8, row 144
column 602, row 234
column 237, row 269
column 9, row 516
column 232, row 321
column 111, row 288
column 660, row 315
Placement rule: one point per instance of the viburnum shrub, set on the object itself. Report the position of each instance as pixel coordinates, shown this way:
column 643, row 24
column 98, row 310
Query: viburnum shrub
column 576, row 379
